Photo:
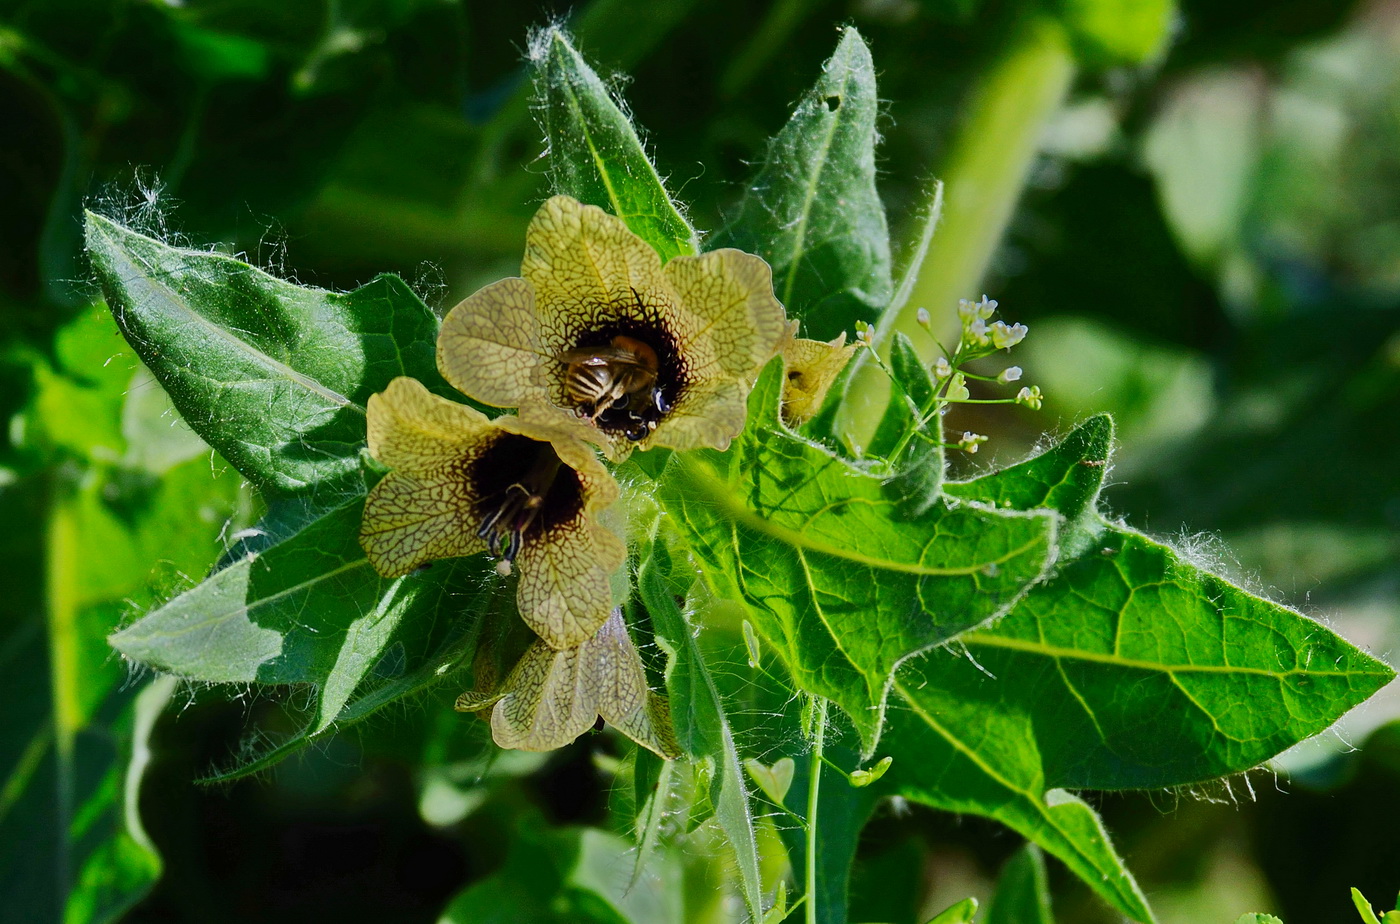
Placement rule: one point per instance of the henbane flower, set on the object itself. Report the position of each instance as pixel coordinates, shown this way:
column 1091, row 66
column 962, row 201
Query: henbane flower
column 596, row 328
column 551, row 697
column 528, row 493
column 811, row 366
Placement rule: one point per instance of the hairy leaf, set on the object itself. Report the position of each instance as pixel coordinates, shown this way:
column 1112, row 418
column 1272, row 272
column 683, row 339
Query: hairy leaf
column 1130, row 668
column 273, row 375
column 594, row 153
column 306, row 608
column 700, row 722
column 813, row 212
column 836, row 580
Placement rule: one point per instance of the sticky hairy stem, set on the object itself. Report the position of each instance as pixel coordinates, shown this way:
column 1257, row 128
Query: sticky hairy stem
column 813, row 797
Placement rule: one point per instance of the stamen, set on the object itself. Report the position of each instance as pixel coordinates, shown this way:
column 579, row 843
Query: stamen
column 505, row 522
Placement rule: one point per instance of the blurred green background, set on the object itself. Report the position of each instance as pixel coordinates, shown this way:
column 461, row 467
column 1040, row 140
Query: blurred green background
column 1208, row 247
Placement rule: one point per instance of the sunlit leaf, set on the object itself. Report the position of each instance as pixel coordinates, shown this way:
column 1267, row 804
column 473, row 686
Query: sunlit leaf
column 813, row 212
column 594, row 153
column 301, row 604
column 273, row 375
column 700, row 721
column 836, row 580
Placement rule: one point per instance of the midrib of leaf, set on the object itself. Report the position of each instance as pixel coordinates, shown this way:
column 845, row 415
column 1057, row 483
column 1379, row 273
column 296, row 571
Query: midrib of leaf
column 723, row 498
column 1057, row 652
column 592, row 148
column 810, row 195
column 263, row 601
column 257, row 356
column 1035, row 799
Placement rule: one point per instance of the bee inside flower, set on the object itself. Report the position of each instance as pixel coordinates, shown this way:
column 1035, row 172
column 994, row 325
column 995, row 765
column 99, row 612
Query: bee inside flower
column 528, row 493
column 597, row 331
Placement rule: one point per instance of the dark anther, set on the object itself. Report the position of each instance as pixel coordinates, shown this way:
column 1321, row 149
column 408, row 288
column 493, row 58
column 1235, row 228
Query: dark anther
column 524, row 490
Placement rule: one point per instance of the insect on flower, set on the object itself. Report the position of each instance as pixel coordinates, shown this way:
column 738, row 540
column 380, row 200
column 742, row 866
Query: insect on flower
column 597, row 331
column 617, row 379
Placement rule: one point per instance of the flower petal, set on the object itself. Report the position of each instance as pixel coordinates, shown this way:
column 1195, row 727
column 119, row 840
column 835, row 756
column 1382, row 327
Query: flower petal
column 708, row 414
column 410, row 521
column 490, row 346
column 624, row 701
column 588, row 269
column 812, row 365
column 731, row 294
column 547, row 704
column 566, row 432
column 565, row 590
column 415, row 432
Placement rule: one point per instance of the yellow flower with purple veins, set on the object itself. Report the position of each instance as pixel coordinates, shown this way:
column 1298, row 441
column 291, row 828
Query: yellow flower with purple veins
column 597, row 329
column 524, row 491
column 552, row 696
column 812, row 366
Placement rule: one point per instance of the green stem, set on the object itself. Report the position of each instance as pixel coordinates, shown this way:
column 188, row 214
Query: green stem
column 984, row 174
column 813, row 794
column 61, row 557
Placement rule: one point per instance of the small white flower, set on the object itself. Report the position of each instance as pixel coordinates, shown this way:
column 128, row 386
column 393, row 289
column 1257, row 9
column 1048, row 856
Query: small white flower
column 924, row 319
column 986, row 307
column 975, row 333
column 1009, row 374
column 1030, row 396
column 970, row 441
column 1004, row 337
column 942, row 369
column 966, row 310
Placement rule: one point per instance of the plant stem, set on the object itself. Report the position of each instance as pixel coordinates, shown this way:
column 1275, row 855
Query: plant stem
column 984, row 174
column 813, row 794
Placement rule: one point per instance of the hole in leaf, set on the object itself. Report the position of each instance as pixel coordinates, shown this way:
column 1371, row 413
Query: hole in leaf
column 833, row 103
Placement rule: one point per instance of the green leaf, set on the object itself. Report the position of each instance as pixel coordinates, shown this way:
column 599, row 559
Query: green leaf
column 75, row 557
column 1129, row 668
column 272, row 375
column 1023, row 891
column 1363, row 907
column 1257, row 918
column 813, row 212
column 1109, row 33
column 1066, row 478
column 839, row 583
column 594, row 153
column 961, row 913
column 567, row 876
column 918, row 478
column 701, row 725
column 302, row 605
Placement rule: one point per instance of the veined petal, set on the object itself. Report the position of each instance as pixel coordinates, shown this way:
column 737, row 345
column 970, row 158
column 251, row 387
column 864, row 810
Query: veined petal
column 730, row 293
column 490, row 346
column 588, row 270
column 565, row 432
column 415, row 432
column 709, row 414
column 624, row 701
column 547, row 704
column 565, row 590
column 410, row 521
column 812, row 365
